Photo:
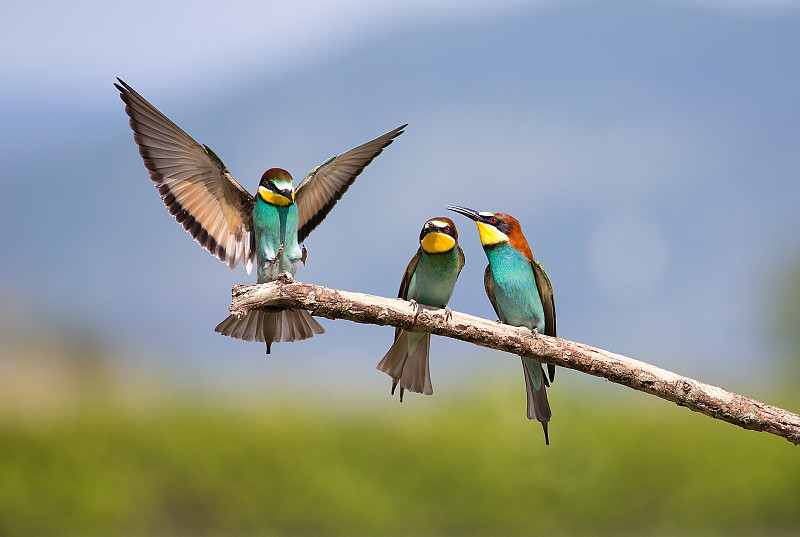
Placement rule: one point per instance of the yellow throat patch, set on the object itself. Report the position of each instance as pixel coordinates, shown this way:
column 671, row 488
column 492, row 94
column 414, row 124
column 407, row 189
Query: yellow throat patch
column 274, row 199
column 490, row 234
column 436, row 243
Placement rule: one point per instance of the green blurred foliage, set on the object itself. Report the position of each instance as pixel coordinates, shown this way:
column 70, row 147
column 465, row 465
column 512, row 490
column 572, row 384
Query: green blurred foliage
column 620, row 463
column 89, row 447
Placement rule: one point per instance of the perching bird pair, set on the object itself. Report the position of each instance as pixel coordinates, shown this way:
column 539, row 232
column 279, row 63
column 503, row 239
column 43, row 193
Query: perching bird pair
column 269, row 228
column 516, row 284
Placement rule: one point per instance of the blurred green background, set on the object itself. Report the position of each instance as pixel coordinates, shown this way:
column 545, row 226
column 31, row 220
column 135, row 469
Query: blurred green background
column 649, row 150
column 92, row 446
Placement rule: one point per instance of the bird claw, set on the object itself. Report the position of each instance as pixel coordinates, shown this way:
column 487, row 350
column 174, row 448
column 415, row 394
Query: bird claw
column 448, row 313
column 535, row 332
column 415, row 308
column 279, row 253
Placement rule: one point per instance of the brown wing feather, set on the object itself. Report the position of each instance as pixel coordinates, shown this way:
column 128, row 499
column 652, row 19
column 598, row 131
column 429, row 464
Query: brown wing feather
column 319, row 191
column 405, row 283
column 546, row 293
column 193, row 182
column 548, row 304
column 488, row 284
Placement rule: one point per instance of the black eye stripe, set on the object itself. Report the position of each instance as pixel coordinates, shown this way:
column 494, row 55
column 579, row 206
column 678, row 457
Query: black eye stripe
column 271, row 186
column 501, row 226
column 437, row 227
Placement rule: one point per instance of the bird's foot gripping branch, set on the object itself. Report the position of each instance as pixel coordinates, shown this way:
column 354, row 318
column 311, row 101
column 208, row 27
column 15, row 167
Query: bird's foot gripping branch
column 370, row 309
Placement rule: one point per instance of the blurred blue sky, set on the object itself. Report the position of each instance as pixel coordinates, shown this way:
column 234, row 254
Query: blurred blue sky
column 650, row 151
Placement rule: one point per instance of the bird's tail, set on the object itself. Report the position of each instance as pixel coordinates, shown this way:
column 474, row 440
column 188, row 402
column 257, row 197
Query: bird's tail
column 536, row 383
column 270, row 326
column 408, row 363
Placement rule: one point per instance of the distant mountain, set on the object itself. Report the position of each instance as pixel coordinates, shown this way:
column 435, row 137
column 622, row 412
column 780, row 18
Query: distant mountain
column 649, row 151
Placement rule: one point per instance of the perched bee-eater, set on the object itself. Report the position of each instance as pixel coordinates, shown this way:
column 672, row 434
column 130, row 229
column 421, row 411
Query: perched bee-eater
column 429, row 279
column 234, row 225
column 521, row 294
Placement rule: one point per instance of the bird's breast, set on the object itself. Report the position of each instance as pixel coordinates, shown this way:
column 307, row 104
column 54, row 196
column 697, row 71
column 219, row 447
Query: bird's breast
column 275, row 227
column 435, row 278
column 515, row 288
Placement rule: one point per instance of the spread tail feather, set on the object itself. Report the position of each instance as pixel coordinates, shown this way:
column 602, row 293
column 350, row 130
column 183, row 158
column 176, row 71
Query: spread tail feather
column 411, row 371
column 393, row 361
column 270, row 326
column 535, row 384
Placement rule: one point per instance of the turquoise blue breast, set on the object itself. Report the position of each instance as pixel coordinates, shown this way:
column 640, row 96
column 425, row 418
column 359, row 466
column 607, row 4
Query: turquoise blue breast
column 273, row 226
column 515, row 288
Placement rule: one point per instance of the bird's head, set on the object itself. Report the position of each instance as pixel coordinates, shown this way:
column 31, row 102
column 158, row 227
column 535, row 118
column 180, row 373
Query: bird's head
column 496, row 228
column 275, row 187
column 438, row 235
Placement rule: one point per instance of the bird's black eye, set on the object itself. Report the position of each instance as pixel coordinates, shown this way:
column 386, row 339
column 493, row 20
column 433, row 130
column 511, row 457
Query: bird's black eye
column 447, row 228
column 493, row 220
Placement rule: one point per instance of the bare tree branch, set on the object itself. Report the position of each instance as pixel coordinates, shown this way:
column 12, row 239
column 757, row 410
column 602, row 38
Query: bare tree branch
column 369, row 309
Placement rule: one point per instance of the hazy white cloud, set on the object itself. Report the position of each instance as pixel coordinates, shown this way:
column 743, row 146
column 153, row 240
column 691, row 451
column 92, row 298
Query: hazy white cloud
column 80, row 44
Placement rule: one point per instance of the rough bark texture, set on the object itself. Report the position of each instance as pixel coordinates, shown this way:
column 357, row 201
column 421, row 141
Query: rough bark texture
column 369, row 309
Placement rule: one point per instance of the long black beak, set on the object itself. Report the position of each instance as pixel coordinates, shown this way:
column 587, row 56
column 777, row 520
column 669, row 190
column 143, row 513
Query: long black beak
column 469, row 213
column 287, row 194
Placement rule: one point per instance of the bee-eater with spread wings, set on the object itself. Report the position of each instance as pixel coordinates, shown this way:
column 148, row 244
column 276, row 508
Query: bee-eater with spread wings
column 237, row 227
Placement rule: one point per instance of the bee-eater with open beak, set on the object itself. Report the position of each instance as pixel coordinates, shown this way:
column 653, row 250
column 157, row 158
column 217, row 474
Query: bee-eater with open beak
column 234, row 225
column 521, row 294
column 429, row 279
